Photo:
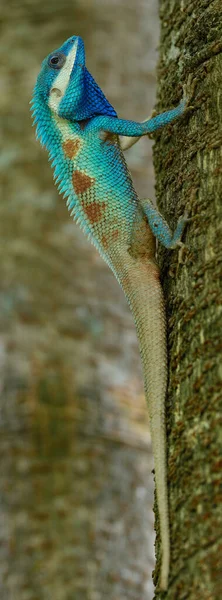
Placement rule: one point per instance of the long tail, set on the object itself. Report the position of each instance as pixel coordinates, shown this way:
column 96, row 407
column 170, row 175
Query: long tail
column 142, row 288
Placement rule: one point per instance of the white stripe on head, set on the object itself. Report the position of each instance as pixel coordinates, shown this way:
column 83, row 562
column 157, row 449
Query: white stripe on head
column 61, row 82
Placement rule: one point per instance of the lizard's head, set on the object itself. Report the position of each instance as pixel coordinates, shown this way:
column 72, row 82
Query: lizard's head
column 66, row 87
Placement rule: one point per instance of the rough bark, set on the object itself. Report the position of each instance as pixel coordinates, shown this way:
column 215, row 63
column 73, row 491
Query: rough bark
column 189, row 176
column 75, row 474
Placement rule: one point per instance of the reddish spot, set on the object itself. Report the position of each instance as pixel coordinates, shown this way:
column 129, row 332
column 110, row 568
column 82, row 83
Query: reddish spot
column 71, row 147
column 151, row 270
column 107, row 240
column 108, row 137
column 94, row 211
column 104, row 242
column 156, row 276
column 115, row 235
column 81, row 182
column 83, row 123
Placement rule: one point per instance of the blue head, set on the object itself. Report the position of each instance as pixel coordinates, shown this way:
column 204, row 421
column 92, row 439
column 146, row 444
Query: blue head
column 66, row 89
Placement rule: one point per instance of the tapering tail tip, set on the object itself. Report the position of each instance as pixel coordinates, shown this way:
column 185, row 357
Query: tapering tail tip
column 164, row 572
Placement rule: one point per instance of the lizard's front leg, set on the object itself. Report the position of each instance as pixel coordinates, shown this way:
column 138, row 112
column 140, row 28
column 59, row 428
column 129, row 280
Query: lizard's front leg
column 154, row 123
column 128, row 128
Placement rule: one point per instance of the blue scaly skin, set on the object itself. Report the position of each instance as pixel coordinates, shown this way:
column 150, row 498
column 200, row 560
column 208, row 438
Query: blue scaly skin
column 80, row 130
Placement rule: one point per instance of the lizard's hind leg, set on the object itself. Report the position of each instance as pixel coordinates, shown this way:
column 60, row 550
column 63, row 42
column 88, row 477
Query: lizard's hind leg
column 160, row 227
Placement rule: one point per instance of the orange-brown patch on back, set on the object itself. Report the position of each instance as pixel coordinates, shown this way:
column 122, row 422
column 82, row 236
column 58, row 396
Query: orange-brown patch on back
column 94, row 211
column 81, row 182
column 71, row 147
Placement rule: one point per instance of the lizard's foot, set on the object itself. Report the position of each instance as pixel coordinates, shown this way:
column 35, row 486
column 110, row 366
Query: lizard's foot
column 188, row 92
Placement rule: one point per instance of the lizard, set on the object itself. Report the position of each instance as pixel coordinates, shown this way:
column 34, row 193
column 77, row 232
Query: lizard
column 83, row 136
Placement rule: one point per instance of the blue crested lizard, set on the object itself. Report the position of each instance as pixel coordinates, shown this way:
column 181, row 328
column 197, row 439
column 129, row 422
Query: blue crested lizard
column 84, row 138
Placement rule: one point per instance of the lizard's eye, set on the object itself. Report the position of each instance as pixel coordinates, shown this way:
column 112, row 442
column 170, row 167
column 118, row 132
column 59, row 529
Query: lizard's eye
column 57, row 60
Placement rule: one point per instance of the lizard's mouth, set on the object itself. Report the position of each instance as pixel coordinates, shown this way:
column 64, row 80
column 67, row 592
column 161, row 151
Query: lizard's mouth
column 77, row 54
column 63, row 78
column 70, row 64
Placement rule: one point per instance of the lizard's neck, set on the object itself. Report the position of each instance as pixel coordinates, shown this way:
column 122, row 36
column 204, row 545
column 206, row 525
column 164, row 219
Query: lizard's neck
column 56, row 135
column 46, row 130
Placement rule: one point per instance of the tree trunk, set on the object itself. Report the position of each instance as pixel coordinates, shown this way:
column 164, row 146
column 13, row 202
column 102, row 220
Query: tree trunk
column 75, row 474
column 189, row 177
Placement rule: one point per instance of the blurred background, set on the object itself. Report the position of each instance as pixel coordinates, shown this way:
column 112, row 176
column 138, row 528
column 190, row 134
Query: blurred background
column 75, row 477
